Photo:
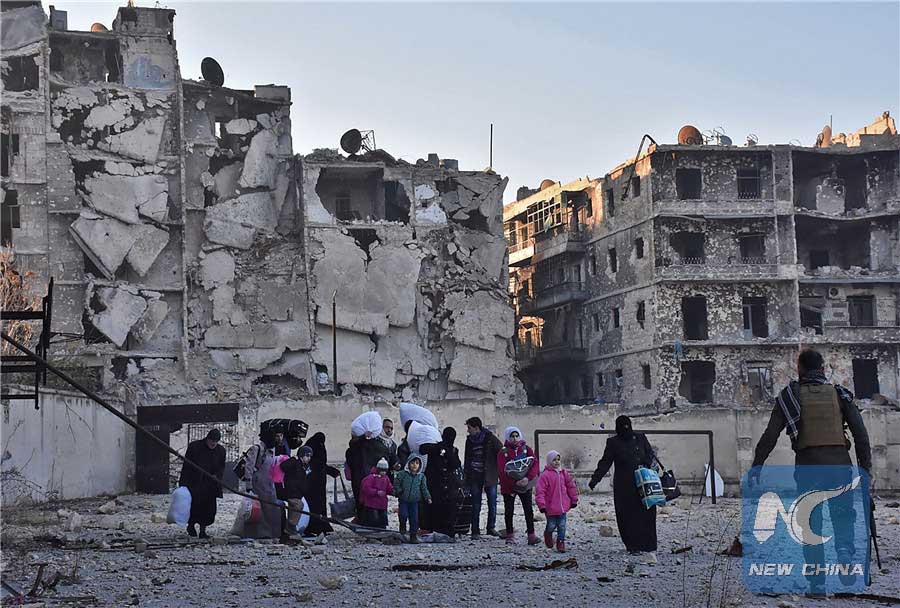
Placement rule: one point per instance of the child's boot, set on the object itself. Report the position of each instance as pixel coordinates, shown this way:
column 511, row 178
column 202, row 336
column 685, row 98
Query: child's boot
column 533, row 539
column 548, row 539
column 561, row 546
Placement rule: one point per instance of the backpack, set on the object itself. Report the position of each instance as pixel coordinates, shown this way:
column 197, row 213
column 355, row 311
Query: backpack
column 517, row 469
column 240, row 467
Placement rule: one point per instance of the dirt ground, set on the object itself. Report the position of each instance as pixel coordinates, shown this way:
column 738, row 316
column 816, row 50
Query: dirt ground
column 132, row 557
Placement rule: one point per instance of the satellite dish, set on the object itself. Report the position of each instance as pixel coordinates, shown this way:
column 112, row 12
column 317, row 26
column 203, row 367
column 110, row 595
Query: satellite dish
column 724, row 140
column 212, row 72
column 826, row 137
column 752, row 139
column 351, row 141
column 99, row 27
column 547, row 183
column 690, row 135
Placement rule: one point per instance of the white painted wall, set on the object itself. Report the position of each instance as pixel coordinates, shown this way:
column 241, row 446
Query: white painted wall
column 71, row 447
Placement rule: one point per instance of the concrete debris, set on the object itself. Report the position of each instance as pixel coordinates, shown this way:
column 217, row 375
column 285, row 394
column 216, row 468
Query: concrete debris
column 121, row 309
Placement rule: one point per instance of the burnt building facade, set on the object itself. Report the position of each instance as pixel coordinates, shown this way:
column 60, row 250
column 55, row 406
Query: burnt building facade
column 195, row 257
column 699, row 271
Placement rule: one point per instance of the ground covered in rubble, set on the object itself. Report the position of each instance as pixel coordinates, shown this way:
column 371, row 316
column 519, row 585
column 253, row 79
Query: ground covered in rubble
column 129, row 556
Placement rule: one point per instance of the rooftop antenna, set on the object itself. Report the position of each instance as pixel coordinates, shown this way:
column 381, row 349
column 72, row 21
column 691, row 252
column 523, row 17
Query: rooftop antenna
column 491, row 157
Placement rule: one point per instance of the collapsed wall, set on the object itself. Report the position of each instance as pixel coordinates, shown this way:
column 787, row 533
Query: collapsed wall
column 195, row 257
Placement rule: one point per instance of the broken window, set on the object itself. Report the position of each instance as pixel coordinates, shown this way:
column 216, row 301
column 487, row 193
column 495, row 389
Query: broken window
column 641, row 313
column 599, row 379
column 697, row 380
column 589, row 207
column 9, row 216
column 10, row 151
column 635, row 187
column 610, row 203
column 755, row 322
column 693, row 310
column 639, row 248
column 616, row 319
column 21, row 73
column 620, row 380
column 818, row 258
column 753, row 248
column 865, row 378
column 853, row 172
column 511, row 233
column 613, row 260
column 749, row 185
column 585, row 387
column 396, row 203
column 645, row 368
column 576, row 273
column 862, row 311
column 811, row 313
column 593, row 263
column 687, row 183
column 689, row 246
column 353, row 193
column 595, row 321
column 759, row 380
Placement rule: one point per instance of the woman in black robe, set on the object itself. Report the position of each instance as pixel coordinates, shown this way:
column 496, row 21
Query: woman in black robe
column 209, row 456
column 317, row 488
column 444, row 479
column 628, row 450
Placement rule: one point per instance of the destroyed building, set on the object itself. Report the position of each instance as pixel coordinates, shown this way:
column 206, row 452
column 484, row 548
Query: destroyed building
column 195, row 258
column 695, row 272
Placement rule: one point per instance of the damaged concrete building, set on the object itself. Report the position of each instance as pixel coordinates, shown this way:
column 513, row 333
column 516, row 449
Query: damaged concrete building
column 196, row 258
column 695, row 272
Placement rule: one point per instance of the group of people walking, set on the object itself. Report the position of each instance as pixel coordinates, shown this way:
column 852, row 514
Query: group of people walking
column 432, row 482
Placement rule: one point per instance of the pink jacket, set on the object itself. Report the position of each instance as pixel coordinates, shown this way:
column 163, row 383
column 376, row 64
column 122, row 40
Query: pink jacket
column 276, row 473
column 556, row 491
column 510, row 451
column 374, row 491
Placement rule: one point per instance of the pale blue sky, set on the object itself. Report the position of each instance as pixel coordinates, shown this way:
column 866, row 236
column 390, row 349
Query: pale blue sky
column 570, row 88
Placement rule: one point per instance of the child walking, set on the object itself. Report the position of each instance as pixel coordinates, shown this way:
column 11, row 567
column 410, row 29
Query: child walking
column 556, row 494
column 411, row 489
column 374, row 489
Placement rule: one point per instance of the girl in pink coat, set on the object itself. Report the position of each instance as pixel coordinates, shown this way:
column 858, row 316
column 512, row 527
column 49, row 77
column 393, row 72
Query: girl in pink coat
column 556, row 494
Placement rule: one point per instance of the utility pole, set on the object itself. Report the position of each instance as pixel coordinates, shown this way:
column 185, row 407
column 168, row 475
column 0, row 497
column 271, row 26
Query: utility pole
column 334, row 373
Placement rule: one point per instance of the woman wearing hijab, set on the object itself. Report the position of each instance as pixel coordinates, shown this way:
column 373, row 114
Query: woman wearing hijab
column 444, row 479
column 517, row 480
column 258, row 474
column 628, row 450
column 317, row 486
column 209, row 456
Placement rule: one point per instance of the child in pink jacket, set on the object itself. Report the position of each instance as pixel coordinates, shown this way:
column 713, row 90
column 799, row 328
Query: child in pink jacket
column 374, row 500
column 556, row 494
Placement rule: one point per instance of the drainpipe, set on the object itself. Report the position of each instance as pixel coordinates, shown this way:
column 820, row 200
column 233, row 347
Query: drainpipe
column 334, row 374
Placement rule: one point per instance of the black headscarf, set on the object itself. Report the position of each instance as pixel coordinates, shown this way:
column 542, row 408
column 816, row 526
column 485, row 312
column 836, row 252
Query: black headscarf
column 448, row 436
column 623, row 427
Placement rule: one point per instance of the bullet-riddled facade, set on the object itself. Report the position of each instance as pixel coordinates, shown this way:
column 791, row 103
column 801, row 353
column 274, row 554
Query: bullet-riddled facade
column 701, row 270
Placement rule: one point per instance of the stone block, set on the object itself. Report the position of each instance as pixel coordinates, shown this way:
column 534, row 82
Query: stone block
column 217, row 268
column 146, row 327
column 149, row 243
column 105, row 241
column 227, row 336
column 260, row 161
column 122, row 309
column 124, row 197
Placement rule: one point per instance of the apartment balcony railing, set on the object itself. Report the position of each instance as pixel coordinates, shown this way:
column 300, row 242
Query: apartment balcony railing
column 520, row 252
column 545, row 354
column 734, row 269
column 559, row 239
column 552, row 296
column 852, row 334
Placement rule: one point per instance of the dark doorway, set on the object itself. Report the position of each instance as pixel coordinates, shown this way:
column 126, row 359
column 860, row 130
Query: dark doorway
column 693, row 310
column 152, row 464
column 697, row 379
column 689, row 246
column 865, row 378
column 753, row 248
column 688, row 183
column 862, row 311
column 755, row 323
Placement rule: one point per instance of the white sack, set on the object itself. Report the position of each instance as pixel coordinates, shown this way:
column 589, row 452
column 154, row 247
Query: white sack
column 420, row 434
column 367, row 422
column 179, row 506
column 417, row 413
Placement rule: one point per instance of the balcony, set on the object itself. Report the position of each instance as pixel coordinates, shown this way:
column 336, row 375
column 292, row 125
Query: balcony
column 551, row 297
column 559, row 239
column 846, row 334
column 737, row 208
column 520, row 253
column 548, row 354
column 740, row 269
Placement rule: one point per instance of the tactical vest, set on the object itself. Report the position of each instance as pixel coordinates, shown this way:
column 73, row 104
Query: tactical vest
column 821, row 421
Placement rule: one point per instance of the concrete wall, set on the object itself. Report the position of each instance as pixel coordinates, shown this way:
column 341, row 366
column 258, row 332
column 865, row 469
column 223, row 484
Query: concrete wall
column 70, row 448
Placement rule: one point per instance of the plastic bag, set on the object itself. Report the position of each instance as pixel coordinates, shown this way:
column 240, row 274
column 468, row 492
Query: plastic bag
column 304, row 518
column 649, row 487
column 367, row 422
column 411, row 411
column 420, row 434
column 179, row 506
column 250, row 511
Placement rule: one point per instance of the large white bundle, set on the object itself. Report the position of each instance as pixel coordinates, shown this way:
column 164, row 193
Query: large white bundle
column 304, row 518
column 367, row 422
column 420, row 434
column 417, row 413
column 179, row 506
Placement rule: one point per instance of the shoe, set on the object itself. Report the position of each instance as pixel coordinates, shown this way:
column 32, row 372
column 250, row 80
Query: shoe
column 203, row 533
column 413, row 538
column 192, row 529
column 493, row 532
column 548, row 540
column 476, row 535
column 510, row 538
column 533, row 539
column 561, row 546
column 402, row 528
